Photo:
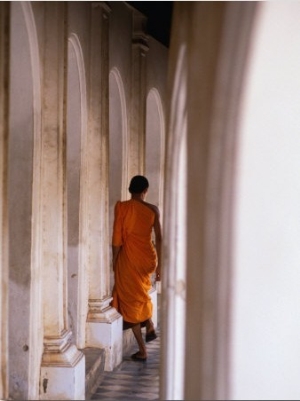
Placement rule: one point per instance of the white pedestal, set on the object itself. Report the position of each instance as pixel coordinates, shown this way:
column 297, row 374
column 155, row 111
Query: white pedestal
column 105, row 330
column 62, row 371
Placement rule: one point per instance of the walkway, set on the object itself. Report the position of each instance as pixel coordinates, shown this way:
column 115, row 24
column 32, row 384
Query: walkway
column 133, row 380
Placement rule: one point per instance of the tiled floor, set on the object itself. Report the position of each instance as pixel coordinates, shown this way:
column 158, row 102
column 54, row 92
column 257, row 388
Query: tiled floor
column 133, row 380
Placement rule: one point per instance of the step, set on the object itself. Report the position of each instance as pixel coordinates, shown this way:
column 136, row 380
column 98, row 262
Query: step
column 94, row 369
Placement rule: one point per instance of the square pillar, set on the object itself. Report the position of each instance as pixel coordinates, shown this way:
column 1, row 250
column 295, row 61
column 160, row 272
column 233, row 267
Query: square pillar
column 62, row 370
column 62, row 375
column 104, row 323
column 4, row 56
column 138, row 95
column 105, row 330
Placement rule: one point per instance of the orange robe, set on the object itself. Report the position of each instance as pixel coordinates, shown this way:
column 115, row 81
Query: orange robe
column 136, row 261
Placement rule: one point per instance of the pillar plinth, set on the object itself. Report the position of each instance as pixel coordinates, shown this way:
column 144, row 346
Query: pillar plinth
column 62, row 369
column 59, row 351
column 105, row 330
column 101, row 311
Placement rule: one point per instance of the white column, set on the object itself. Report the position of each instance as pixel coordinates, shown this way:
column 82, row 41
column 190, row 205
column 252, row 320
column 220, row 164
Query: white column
column 174, row 230
column 4, row 29
column 216, row 67
column 104, row 323
column 138, row 96
column 137, row 135
column 207, row 61
column 264, row 321
column 63, row 366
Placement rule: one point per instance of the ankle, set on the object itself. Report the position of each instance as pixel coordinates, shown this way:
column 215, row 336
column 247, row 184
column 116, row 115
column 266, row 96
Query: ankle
column 149, row 327
column 142, row 354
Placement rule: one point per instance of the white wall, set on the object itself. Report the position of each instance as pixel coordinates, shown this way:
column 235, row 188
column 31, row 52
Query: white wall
column 266, row 299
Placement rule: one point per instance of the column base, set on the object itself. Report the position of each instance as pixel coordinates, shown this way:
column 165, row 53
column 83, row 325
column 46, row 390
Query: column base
column 105, row 330
column 62, row 370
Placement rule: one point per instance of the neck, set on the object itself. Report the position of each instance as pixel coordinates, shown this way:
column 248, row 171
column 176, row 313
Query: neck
column 139, row 197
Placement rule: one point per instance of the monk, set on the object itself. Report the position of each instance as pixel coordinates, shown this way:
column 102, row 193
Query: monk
column 135, row 259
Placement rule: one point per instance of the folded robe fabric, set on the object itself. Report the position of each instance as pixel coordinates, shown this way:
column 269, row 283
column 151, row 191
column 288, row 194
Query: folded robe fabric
column 136, row 260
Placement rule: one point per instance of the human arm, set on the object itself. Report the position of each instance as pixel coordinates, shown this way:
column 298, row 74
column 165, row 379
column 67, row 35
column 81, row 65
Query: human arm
column 158, row 243
column 117, row 238
column 115, row 252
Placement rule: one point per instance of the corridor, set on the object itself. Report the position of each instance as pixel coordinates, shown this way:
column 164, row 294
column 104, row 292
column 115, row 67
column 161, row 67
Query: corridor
column 89, row 99
column 132, row 380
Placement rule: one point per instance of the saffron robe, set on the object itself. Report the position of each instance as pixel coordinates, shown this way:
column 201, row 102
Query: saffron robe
column 136, row 261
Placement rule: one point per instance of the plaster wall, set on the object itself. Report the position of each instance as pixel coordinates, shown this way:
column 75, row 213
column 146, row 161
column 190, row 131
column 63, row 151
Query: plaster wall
column 20, row 174
column 120, row 37
column 79, row 23
column 265, row 319
column 125, row 55
column 157, row 69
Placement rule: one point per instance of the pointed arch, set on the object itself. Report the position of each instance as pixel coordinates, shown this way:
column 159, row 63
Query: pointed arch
column 118, row 116
column 155, row 147
column 118, row 146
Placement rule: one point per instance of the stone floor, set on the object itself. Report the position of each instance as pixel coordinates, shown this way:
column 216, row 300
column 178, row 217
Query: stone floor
column 132, row 380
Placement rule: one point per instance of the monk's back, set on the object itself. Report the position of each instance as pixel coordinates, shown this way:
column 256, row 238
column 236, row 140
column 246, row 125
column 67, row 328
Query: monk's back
column 133, row 230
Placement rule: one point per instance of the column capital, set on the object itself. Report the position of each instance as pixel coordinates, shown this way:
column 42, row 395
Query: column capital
column 141, row 42
column 139, row 36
